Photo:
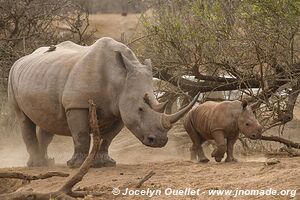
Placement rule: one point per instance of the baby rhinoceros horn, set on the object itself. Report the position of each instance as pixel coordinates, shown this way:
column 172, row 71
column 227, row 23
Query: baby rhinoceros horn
column 168, row 120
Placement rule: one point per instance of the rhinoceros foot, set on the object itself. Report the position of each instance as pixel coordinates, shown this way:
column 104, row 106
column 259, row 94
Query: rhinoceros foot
column 40, row 162
column 204, row 160
column 76, row 160
column 218, row 153
column 231, row 160
column 103, row 160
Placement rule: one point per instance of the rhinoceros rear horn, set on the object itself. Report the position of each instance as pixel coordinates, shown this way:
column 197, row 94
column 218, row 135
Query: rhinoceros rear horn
column 167, row 120
column 158, row 107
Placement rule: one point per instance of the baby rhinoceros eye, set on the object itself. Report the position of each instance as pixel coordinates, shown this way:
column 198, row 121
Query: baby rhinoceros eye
column 247, row 124
column 141, row 109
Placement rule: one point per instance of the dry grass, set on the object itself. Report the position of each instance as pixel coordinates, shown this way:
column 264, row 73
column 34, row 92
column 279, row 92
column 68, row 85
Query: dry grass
column 114, row 25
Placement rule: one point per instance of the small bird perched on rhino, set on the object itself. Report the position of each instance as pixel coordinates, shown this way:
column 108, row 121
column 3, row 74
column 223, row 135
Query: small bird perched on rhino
column 51, row 91
column 220, row 121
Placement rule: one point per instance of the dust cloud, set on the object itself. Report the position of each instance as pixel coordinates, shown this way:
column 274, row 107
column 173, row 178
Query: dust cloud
column 125, row 149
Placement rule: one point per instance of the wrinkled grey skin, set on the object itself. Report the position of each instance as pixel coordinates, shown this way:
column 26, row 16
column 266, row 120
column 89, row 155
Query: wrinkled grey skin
column 220, row 122
column 51, row 89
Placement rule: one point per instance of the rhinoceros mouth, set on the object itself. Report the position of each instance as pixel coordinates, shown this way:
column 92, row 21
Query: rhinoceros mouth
column 154, row 143
column 255, row 136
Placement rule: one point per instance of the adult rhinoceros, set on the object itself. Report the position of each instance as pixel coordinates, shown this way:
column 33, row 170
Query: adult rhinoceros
column 50, row 88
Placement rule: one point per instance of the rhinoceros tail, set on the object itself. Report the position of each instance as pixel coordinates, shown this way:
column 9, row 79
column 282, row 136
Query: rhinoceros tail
column 13, row 105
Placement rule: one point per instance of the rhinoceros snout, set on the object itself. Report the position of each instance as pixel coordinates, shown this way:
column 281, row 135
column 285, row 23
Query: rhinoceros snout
column 255, row 136
column 153, row 141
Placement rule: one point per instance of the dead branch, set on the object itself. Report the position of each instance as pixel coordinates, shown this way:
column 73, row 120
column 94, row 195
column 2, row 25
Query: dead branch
column 281, row 140
column 147, row 177
column 188, row 85
column 276, row 154
column 66, row 192
column 67, row 187
column 19, row 175
column 291, row 152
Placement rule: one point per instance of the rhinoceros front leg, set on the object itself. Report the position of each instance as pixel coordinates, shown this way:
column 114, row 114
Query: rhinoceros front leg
column 219, row 152
column 230, row 144
column 78, row 123
column 102, row 158
column 28, row 129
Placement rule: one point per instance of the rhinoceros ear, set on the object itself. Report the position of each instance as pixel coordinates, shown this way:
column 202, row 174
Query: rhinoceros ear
column 244, row 104
column 128, row 65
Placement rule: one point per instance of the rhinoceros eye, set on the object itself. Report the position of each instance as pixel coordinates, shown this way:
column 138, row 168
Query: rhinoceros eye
column 141, row 109
column 247, row 124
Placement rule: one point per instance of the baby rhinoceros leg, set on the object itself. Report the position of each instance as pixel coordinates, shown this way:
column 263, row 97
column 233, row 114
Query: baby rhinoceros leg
column 197, row 153
column 196, row 149
column 219, row 152
column 201, row 156
column 230, row 144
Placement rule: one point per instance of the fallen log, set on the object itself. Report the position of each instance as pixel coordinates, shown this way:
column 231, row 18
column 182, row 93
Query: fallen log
column 281, row 140
column 291, row 152
column 28, row 177
column 66, row 192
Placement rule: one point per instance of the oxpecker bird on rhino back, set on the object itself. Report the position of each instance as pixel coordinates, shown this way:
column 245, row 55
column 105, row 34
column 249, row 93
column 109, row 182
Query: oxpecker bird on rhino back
column 50, row 90
column 220, row 121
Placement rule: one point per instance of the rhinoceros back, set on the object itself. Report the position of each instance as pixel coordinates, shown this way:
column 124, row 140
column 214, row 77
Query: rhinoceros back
column 46, row 84
column 200, row 118
column 36, row 83
column 213, row 116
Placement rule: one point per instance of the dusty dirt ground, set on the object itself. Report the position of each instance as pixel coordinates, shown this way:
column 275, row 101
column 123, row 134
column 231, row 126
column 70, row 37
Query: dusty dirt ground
column 178, row 175
column 171, row 163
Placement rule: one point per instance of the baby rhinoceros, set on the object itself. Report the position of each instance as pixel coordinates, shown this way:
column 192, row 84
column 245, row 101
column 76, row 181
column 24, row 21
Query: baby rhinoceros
column 220, row 121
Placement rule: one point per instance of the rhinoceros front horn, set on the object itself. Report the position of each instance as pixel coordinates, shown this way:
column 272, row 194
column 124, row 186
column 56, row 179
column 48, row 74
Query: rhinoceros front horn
column 168, row 120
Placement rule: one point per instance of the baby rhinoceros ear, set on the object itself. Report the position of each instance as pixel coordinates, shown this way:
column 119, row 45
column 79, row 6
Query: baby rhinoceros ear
column 244, row 104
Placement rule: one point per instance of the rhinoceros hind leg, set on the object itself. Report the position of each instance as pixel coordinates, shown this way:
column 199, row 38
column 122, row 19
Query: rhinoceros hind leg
column 231, row 160
column 194, row 137
column 45, row 139
column 196, row 149
column 201, row 156
column 79, row 126
column 203, row 159
column 28, row 129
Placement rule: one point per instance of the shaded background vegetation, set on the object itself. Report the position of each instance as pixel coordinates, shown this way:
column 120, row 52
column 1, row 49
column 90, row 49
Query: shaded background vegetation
column 28, row 24
column 248, row 49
